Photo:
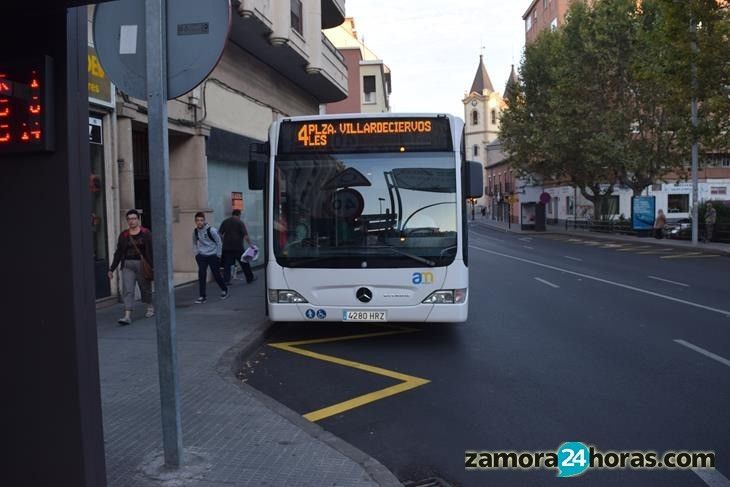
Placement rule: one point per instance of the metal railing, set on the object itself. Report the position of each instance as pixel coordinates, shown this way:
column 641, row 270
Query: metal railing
column 720, row 231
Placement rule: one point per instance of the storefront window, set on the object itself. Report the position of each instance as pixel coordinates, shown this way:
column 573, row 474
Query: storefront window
column 678, row 203
column 98, row 206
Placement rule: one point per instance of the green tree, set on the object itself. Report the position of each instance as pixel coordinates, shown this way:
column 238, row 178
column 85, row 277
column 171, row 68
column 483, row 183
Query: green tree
column 606, row 99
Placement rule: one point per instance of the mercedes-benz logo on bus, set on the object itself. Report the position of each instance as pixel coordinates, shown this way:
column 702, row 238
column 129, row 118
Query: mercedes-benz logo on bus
column 364, row 294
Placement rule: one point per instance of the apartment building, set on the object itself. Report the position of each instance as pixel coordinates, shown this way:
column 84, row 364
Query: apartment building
column 276, row 63
column 369, row 80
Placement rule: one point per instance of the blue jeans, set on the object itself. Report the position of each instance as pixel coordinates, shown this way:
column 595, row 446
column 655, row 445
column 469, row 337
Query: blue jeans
column 214, row 263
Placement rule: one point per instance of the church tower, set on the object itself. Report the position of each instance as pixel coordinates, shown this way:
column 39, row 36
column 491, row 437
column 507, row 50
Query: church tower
column 482, row 111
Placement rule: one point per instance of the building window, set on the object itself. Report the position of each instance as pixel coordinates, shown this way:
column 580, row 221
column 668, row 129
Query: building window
column 296, row 16
column 494, row 117
column 717, row 160
column 554, row 24
column 718, row 190
column 475, row 117
column 544, row 4
column 528, row 23
column 656, row 187
column 678, row 203
column 368, row 84
column 475, row 150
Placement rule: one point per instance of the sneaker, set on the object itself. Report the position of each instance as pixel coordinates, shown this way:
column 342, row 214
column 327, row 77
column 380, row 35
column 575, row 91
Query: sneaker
column 201, row 300
column 124, row 321
column 150, row 313
column 253, row 279
column 224, row 294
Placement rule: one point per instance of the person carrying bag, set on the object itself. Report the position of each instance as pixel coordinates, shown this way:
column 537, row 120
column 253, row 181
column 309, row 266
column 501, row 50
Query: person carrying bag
column 134, row 257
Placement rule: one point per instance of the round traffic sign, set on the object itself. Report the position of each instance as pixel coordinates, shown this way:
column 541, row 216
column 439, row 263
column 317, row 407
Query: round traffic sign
column 196, row 36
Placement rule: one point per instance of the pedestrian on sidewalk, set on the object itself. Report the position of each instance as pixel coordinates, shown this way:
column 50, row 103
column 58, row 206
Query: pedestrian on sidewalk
column 207, row 248
column 134, row 250
column 234, row 232
column 659, row 224
column 710, row 220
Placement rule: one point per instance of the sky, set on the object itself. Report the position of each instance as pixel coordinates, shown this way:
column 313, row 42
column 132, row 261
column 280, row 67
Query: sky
column 432, row 46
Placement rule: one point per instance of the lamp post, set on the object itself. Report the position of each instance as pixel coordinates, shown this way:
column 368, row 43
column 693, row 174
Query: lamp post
column 695, row 147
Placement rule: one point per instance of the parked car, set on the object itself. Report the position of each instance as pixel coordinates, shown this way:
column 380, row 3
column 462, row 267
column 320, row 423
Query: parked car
column 678, row 228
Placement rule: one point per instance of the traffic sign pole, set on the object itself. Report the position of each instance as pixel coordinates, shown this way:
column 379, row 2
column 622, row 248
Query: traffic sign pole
column 156, row 49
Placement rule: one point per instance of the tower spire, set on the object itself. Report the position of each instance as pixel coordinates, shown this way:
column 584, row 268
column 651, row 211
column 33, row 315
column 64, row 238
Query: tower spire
column 481, row 80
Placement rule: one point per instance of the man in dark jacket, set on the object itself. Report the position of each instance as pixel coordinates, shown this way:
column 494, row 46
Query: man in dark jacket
column 234, row 232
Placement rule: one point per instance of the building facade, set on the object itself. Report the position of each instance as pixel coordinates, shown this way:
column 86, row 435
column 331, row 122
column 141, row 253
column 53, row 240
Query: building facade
column 369, row 80
column 276, row 64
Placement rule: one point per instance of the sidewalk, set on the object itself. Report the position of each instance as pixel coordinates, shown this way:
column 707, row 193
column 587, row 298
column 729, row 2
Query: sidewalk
column 232, row 434
column 720, row 248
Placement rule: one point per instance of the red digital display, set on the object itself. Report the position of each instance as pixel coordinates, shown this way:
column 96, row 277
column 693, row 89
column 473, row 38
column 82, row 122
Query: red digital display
column 26, row 121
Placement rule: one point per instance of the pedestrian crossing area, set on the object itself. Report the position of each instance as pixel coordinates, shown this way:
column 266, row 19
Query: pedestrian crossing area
column 667, row 253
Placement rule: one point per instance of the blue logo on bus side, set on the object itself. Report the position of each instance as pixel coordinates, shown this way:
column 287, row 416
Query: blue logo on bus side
column 310, row 314
column 321, row 314
column 422, row 278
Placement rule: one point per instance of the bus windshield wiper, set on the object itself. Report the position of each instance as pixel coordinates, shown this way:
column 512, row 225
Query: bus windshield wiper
column 395, row 250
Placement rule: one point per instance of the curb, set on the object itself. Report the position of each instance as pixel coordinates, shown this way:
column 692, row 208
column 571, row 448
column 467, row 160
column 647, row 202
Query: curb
column 230, row 363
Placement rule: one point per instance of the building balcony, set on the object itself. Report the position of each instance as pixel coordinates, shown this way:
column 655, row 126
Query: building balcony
column 264, row 29
column 333, row 13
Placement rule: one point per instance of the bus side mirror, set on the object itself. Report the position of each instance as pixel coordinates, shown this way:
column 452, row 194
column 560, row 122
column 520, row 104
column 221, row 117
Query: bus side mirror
column 257, row 168
column 256, row 175
column 474, row 180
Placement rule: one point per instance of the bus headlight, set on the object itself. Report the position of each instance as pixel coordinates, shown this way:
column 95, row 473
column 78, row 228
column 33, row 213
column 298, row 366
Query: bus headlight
column 285, row 296
column 446, row 296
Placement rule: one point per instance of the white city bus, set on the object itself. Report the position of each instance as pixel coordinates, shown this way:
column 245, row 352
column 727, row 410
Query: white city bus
column 366, row 218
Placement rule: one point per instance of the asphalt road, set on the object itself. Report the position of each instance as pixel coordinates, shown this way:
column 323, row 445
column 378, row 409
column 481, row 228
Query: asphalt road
column 624, row 347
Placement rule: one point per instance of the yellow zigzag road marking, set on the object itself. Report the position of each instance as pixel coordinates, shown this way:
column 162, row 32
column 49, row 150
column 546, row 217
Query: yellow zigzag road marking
column 629, row 249
column 657, row 251
column 408, row 381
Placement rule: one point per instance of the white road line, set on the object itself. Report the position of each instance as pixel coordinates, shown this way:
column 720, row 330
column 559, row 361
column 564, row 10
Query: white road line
column 691, row 255
column 712, row 477
column 547, row 283
column 481, row 235
column 525, row 239
column 629, row 249
column 573, row 258
column 606, row 281
column 704, row 352
column 528, row 247
column 667, row 280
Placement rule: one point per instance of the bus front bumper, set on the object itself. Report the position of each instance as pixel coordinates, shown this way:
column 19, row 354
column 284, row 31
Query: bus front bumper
column 421, row 313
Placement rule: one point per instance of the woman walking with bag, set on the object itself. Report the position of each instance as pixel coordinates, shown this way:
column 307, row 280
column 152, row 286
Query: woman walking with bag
column 134, row 254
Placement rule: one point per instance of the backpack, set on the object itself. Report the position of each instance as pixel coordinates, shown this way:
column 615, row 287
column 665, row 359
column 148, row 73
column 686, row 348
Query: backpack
column 195, row 235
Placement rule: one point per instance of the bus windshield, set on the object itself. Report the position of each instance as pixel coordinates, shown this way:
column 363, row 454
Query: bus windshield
column 365, row 210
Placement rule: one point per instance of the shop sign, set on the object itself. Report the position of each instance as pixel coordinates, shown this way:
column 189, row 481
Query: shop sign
column 100, row 87
column 237, row 200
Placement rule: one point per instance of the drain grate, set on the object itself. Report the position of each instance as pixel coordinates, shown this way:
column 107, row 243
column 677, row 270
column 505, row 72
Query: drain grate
column 429, row 482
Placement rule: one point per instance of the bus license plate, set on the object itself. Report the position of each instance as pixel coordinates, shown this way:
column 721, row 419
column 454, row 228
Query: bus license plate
column 363, row 316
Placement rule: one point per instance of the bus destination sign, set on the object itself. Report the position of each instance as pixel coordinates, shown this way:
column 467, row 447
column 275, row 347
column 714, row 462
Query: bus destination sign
column 366, row 135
